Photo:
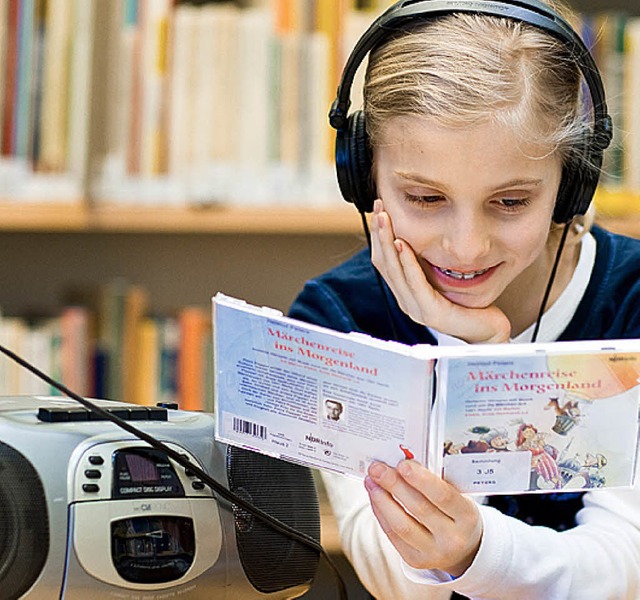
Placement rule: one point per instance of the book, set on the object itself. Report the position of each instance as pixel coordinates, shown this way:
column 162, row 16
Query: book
column 630, row 117
column 10, row 78
column 194, row 326
column 490, row 419
column 54, row 118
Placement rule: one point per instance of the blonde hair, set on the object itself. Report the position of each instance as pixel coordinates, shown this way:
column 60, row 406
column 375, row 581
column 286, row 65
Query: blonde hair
column 463, row 69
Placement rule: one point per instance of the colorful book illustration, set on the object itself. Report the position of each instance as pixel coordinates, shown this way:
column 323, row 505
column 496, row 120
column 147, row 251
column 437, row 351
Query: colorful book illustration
column 490, row 419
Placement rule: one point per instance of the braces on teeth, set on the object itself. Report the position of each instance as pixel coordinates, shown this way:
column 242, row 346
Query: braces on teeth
column 465, row 276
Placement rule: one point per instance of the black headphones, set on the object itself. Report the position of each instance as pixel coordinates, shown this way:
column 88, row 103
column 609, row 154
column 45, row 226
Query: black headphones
column 353, row 152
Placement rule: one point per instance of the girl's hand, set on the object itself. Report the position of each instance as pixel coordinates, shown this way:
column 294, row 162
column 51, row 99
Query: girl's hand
column 397, row 263
column 428, row 521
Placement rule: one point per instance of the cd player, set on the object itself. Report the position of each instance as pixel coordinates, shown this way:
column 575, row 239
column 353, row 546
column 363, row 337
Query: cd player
column 88, row 510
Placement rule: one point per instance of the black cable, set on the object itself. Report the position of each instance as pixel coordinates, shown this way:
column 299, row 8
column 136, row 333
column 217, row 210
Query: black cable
column 552, row 277
column 217, row 487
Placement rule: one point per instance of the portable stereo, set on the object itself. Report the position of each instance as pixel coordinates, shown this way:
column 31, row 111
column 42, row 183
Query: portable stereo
column 87, row 510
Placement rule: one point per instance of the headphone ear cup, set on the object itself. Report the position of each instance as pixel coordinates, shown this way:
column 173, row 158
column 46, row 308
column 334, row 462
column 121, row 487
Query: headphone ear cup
column 353, row 163
column 577, row 186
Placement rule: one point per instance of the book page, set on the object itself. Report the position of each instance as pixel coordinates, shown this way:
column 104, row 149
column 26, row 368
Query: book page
column 544, row 422
column 314, row 396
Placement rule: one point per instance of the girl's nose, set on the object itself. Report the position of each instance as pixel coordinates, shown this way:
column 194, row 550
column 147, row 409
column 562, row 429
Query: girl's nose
column 467, row 240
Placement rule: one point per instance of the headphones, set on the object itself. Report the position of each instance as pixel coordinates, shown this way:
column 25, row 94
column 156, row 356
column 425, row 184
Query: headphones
column 353, row 151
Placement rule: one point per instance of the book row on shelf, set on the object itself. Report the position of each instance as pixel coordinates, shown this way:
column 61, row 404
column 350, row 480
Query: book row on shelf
column 109, row 345
column 163, row 102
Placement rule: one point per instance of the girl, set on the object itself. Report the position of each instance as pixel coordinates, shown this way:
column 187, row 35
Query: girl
column 474, row 122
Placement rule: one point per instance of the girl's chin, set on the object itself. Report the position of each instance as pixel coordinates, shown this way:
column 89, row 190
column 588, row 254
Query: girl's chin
column 468, row 300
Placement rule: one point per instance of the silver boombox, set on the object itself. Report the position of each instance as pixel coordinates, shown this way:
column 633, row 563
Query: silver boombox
column 87, row 510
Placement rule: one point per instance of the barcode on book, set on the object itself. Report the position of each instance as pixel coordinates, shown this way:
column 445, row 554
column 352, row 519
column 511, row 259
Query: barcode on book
column 249, row 428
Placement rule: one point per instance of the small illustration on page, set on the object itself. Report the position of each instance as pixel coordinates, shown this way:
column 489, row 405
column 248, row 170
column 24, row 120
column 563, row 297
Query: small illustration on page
column 407, row 453
column 333, row 409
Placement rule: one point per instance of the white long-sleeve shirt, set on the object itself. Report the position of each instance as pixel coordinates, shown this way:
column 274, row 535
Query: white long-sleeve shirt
column 597, row 560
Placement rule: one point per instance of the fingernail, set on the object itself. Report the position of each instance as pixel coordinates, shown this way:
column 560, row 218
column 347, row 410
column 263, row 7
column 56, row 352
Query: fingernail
column 377, row 206
column 376, row 470
column 405, row 468
column 398, row 244
column 370, row 484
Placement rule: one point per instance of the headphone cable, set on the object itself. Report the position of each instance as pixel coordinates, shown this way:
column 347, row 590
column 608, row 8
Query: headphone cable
column 552, row 277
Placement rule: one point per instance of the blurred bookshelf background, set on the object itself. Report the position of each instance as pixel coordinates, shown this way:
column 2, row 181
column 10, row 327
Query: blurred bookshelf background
column 154, row 152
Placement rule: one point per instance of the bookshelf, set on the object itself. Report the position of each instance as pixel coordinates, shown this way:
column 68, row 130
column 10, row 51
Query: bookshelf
column 169, row 236
column 184, row 251
column 80, row 218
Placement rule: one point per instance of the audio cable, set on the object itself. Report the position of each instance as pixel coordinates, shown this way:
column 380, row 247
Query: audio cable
column 183, row 461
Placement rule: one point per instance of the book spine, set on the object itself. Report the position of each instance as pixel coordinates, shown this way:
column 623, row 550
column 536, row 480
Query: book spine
column 24, row 76
column 181, row 114
column 79, row 99
column 631, row 116
column 55, row 91
column 153, row 76
column 145, row 390
column 194, row 328
column 4, row 13
column 11, row 79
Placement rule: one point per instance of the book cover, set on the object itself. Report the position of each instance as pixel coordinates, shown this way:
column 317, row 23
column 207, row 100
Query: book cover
column 562, row 417
column 311, row 395
column 502, row 418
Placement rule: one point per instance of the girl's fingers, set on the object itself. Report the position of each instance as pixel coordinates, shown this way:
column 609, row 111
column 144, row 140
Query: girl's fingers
column 421, row 492
column 427, row 520
column 385, row 258
column 399, row 525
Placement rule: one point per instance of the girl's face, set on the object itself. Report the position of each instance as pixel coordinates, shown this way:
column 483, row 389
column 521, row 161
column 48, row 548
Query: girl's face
column 474, row 204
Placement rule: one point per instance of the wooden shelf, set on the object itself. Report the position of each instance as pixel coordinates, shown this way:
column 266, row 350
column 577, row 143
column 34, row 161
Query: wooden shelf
column 79, row 217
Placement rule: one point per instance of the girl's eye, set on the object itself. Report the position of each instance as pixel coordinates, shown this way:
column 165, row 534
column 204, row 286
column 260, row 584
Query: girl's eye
column 513, row 203
column 424, row 200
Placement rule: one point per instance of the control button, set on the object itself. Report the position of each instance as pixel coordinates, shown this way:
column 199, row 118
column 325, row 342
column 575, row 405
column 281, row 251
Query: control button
column 189, row 473
column 168, row 405
column 96, row 460
column 92, row 474
column 197, row 485
column 91, row 488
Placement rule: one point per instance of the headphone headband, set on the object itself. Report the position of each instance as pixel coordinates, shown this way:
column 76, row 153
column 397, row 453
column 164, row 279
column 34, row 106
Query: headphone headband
column 353, row 158
column 527, row 11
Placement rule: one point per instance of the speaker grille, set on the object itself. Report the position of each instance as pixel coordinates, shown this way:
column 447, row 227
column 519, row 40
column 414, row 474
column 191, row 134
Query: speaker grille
column 271, row 560
column 24, row 524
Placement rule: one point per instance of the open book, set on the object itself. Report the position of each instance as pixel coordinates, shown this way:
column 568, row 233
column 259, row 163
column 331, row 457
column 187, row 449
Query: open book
column 491, row 419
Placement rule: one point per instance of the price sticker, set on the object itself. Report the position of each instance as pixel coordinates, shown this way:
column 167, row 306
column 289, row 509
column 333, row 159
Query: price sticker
column 488, row 472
